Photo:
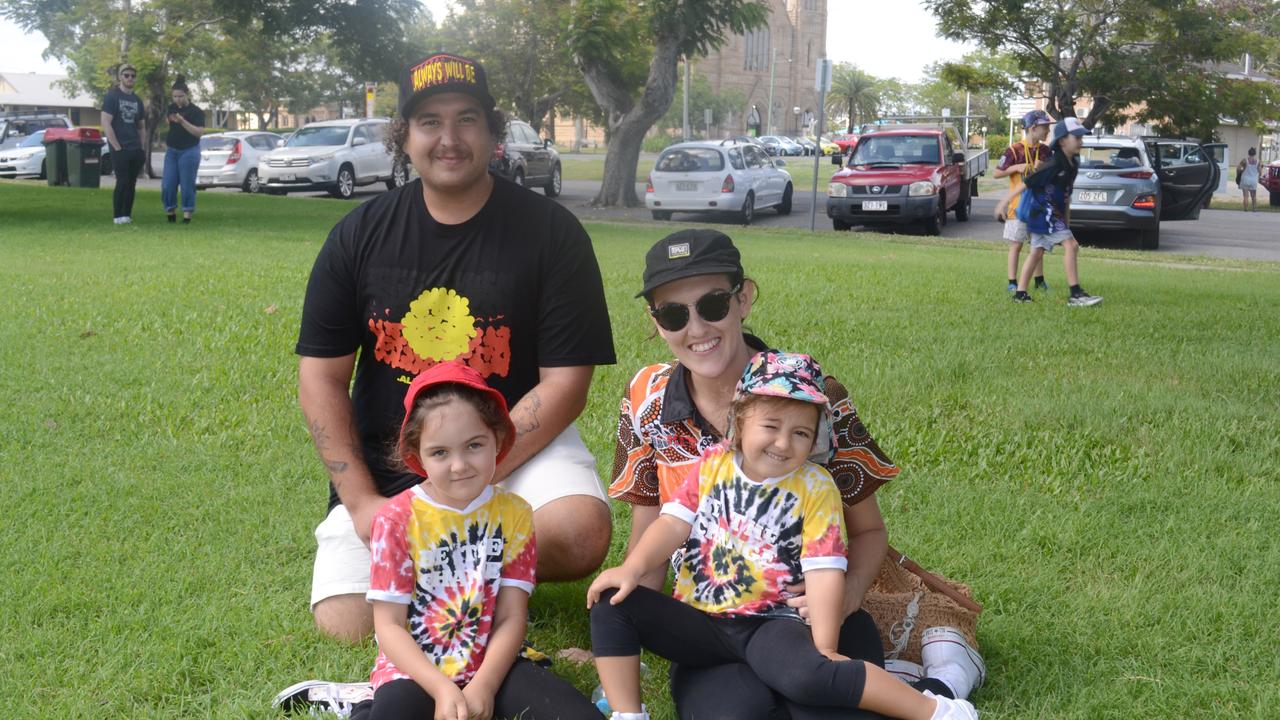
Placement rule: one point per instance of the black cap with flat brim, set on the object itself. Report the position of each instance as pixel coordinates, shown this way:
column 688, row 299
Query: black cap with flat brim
column 689, row 253
column 443, row 73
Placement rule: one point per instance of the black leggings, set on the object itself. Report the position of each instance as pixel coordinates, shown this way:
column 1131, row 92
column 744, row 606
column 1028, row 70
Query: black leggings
column 529, row 692
column 779, row 650
column 734, row 692
column 126, row 164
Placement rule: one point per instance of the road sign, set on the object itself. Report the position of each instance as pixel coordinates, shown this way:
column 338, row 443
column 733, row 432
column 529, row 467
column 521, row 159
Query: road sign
column 370, row 91
column 1020, row 107
column 822, row 77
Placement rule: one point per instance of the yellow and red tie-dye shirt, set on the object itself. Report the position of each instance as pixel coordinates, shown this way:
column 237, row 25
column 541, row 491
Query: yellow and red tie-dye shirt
column 447, row 565
column 749, row 539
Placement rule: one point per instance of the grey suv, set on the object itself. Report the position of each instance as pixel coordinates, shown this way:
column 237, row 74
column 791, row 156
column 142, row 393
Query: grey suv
column 1133, row 184
column 18, row 126
column 525, row 159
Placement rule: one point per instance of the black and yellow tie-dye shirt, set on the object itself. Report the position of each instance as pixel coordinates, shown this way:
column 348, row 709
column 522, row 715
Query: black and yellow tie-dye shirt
column 749, row 539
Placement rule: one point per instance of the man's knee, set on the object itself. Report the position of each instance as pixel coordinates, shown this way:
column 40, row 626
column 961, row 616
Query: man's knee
column 348, row 618
column 573, row 535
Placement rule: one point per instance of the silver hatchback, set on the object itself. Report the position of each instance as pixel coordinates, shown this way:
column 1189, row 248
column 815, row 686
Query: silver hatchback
column 724, row 176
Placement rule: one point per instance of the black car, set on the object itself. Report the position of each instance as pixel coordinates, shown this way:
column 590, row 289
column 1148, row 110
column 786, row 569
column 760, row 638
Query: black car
column 525, row 159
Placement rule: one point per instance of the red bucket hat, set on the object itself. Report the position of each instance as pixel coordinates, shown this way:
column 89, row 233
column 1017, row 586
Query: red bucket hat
column 452, row 372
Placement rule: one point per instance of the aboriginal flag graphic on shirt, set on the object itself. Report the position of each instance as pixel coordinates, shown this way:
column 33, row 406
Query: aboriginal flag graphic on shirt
column 750, row 540
column 448, row 565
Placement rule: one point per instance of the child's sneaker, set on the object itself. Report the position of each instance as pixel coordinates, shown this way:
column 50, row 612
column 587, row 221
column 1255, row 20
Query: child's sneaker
column 949, row 709
column 321, row 697
column 948, row 657
column 1021, row 296
column 1013, row 287
column 1041, row 285
column 905, row 670
column 1083, row 299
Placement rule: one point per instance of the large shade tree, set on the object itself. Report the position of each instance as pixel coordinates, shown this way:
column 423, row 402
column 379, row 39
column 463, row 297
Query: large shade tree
column 628, row 53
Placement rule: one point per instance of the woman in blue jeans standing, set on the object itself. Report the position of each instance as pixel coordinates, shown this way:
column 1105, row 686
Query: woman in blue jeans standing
column 182, row 159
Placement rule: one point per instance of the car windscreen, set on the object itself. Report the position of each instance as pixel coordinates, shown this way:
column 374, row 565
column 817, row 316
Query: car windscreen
column 33, row 140
column 217, row 142
column 1109, row 157
column 897, row 149
column 317, row 136
column 690, row 160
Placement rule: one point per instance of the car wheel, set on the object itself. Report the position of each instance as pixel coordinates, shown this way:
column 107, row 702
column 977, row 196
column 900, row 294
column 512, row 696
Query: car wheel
column 344, row 187
column 552, row 188
column 518, row 177
column 1150, row 239
column 965, row 205
column 748, row 211
column 934, row 225
column 661, row 214
column 784, row 207
column 251, row 183
column 399, row 177
column 838, row 224
column 43, row 174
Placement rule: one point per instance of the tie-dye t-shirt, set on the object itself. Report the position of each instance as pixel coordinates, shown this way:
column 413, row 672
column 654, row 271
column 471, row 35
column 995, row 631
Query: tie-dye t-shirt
column 750, row 540
column 447, row 565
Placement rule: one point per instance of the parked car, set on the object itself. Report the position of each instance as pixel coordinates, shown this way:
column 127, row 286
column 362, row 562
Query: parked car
column 711, row 176
column 525, row 159
column 230, row 159
column 786, row 146
column 903, row 175
column 18, row 126
column 828, row 146
column 845, row 141
column 1269, row 178
column 810, row 147
column 1134, row 184
column 334, row 155
column 25, row 158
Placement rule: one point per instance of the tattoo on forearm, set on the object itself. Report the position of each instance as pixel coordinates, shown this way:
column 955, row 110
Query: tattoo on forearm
column 526, row 419
column 320, row 436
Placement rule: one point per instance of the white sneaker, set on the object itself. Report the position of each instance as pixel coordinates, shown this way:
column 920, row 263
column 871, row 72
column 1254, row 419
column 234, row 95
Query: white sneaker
column 905, row 670
column 118, row 221
column 948, row 657
column 948, row 709
column 319, row 697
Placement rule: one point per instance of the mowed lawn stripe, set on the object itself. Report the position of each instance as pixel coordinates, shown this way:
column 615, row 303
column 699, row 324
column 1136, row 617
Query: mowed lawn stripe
column 1104, row 478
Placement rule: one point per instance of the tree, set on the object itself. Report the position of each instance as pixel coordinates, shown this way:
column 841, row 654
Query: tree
column 856, row 94
column 610, row 38
column 524, row 49
column 1120, row 53
column 701, row 99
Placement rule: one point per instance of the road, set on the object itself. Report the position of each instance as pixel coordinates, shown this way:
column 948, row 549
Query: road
column 1218, row 233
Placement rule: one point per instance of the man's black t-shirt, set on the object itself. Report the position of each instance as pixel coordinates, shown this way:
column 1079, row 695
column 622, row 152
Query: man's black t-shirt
column 179, row 138
column 126, row 111
column 514, row 288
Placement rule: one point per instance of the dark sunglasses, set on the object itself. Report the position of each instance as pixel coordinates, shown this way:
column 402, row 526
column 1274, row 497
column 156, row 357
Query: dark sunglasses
column 712, row 307
column 128, row 75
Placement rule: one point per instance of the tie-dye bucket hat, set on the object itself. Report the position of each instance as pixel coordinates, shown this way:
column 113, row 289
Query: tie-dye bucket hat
column 796, row 377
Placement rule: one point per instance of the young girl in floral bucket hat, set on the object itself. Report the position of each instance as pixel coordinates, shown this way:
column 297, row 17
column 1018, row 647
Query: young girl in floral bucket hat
column 755, row 515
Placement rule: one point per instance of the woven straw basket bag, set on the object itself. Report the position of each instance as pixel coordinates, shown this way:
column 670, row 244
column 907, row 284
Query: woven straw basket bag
column 905, row 600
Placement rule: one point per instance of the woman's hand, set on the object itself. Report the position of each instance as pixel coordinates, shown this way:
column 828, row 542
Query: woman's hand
column 622, row 577
column 451, row 703
column 479, row 701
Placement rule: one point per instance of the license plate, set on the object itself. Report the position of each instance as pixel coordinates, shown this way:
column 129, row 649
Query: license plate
column 686, row 186
column 877, row 205
column 288, row 177
column 1086, row 196
column 204, row 178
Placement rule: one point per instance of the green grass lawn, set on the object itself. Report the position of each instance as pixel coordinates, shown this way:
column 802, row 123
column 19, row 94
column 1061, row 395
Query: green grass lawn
column 1107, row 479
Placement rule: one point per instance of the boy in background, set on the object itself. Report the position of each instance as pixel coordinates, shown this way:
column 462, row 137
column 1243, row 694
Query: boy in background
column 1019, row 159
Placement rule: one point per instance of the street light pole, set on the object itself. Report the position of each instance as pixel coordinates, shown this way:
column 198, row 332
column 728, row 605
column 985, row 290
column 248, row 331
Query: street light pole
column 769, row 113
column 686, row 98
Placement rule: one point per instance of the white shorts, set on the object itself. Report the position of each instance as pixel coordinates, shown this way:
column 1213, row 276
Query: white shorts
column 564, row 467
column 1015, row 230
column 1050, row 241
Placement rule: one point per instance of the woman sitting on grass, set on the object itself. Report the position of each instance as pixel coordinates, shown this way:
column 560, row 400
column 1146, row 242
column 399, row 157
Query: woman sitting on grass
column 753, row 516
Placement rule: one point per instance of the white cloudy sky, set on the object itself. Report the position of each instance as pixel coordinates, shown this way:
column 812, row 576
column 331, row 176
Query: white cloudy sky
column 885, row 39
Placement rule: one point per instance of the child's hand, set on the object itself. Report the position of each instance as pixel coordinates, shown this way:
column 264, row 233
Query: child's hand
column 834, row 656
column 451, row 704
column 479, row 701
column 620, row 577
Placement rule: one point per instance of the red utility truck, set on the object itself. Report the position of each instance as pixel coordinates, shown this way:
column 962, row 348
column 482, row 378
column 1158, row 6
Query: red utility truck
column 905, row 174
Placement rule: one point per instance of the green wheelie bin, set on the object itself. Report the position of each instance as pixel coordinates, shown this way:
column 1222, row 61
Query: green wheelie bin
column 84, row 152
column 55, row 155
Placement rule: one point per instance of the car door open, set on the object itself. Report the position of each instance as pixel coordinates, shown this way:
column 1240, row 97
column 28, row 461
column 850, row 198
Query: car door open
column 1188, row 176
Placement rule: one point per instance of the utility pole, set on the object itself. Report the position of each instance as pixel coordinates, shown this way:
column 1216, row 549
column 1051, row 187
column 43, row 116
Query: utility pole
column 966, row 118
column 822, row 83
column 686, row 98
column 768, row 124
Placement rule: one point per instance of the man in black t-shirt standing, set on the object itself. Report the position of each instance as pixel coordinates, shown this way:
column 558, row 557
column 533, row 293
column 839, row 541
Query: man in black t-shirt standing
column 459, row 264
column 123, row 120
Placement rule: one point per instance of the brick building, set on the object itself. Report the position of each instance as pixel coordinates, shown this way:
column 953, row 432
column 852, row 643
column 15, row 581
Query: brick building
column 789, row 46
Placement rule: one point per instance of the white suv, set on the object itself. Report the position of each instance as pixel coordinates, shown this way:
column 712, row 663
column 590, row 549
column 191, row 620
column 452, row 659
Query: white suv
column 336, row 155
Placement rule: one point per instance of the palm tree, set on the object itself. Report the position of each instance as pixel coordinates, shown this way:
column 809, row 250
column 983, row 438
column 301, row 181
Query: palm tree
column 855, row 91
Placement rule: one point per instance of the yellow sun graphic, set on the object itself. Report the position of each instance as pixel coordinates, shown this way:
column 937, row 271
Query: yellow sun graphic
column 439, row 325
